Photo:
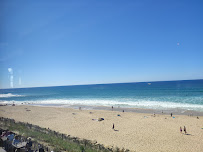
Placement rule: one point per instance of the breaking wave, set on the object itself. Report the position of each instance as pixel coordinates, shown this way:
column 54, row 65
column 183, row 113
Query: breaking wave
column 8, row 95
column 129, row 104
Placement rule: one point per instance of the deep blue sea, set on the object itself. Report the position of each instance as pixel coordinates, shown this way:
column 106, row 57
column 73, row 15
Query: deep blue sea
column 187, row 94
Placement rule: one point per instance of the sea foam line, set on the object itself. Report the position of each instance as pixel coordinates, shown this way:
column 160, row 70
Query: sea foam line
column 129, row 104
column 9, row 95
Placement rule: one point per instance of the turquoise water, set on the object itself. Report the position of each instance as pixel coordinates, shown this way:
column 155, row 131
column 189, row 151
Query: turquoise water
column 153, row 95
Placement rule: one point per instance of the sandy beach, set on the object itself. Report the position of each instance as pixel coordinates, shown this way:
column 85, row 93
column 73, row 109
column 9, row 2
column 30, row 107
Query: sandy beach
column 134, row 131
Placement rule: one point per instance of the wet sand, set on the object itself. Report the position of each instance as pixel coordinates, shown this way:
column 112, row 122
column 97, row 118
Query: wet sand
column 135, row 131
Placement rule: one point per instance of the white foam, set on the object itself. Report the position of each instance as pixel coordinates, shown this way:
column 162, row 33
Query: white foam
column 146, row 104
column 9, row 95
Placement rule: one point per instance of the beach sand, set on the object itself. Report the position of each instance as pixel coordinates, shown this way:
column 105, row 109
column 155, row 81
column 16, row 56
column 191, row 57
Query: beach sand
column 140, row 132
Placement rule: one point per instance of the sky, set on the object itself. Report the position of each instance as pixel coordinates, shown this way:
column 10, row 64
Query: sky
column 54, row 43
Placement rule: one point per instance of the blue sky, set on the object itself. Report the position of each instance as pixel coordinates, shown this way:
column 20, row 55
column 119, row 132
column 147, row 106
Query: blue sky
column 50, row 43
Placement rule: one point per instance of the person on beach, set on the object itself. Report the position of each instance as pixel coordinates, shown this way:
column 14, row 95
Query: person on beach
column 113, row 126
column 171, row 115
column 185, row 130
column 112, row 108
column 123, row 110
column 181, row 130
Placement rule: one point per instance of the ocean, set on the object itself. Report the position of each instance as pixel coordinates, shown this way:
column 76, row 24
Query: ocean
column 162, row 95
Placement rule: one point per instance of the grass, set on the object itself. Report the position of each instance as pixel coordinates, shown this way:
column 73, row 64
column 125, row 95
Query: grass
column 51, row 139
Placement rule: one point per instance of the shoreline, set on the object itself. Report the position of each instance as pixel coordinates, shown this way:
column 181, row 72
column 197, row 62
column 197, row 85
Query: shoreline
column 135, row 131
column 175, row 111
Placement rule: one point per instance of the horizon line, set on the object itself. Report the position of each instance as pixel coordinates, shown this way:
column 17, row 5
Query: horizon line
column 100, row 84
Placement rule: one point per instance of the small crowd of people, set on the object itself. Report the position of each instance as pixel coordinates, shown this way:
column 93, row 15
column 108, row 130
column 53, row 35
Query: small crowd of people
column 184, row 129
column 12, row 142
